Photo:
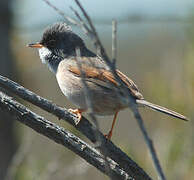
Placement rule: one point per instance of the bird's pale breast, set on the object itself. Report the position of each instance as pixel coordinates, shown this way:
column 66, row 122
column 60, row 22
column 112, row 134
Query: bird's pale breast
column 105, row 100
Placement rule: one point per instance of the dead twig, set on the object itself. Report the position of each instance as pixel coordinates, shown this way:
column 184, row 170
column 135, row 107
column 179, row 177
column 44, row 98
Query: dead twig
column 114, row 42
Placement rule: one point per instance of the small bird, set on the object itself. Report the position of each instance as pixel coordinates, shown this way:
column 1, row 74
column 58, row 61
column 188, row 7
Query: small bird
column 57, row 49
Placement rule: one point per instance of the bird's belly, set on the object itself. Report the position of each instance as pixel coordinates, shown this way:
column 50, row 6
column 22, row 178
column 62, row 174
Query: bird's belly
column 104, row 101
column 73, row 91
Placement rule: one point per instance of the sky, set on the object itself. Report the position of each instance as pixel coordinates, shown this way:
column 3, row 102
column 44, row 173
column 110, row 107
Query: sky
column 29, row 13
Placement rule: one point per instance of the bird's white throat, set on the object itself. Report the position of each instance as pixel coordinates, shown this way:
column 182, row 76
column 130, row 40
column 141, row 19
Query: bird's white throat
column 43, row 53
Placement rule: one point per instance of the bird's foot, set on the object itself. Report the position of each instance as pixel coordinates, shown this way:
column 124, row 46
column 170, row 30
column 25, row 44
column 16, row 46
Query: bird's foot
column 78, row 113
column 109, row 135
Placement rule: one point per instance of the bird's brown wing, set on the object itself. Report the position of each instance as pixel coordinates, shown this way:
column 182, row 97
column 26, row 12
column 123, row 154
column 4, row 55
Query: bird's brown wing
column 102, row 74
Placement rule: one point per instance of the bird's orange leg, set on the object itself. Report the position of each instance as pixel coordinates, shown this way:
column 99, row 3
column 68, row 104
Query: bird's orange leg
column 77, row 112
column 109, row 135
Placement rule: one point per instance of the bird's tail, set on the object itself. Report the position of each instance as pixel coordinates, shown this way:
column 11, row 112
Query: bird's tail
column 161, row 109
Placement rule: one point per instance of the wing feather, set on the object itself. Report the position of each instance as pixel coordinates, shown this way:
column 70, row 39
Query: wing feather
column 99, row 73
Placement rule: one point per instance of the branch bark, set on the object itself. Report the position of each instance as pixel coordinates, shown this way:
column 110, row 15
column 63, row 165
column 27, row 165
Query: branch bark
column 60, row 136
column 124, row 162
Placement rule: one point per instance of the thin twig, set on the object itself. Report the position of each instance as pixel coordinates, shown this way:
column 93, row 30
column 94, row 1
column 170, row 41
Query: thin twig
column 83, row 24
column 94, row 37
column 114, row 42
column 84, row 126
column 87, row 95
column 149, row 144
column 60, row 136
column 90, row 107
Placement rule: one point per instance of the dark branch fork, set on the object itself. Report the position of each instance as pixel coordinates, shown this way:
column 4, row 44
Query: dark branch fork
column 61, row 136
column 84, row 126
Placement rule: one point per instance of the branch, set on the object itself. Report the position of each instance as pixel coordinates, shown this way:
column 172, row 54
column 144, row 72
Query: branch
column 60, row 136
column 84, row 126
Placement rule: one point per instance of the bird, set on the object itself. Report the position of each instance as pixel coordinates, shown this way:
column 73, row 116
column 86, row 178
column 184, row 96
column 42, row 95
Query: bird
column 57, row 49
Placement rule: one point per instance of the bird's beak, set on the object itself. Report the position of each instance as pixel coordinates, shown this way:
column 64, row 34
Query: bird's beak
column 35, row 45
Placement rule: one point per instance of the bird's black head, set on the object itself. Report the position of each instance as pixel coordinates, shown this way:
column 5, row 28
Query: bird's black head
column 60, row 40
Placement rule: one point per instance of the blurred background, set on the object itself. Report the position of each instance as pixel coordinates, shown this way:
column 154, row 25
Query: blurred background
column 155, row 49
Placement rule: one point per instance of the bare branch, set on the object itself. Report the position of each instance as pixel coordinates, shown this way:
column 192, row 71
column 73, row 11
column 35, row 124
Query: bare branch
column 84, row 127
column 60, row 136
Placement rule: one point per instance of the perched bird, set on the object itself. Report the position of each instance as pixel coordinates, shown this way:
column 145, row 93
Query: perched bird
column 57, row 49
